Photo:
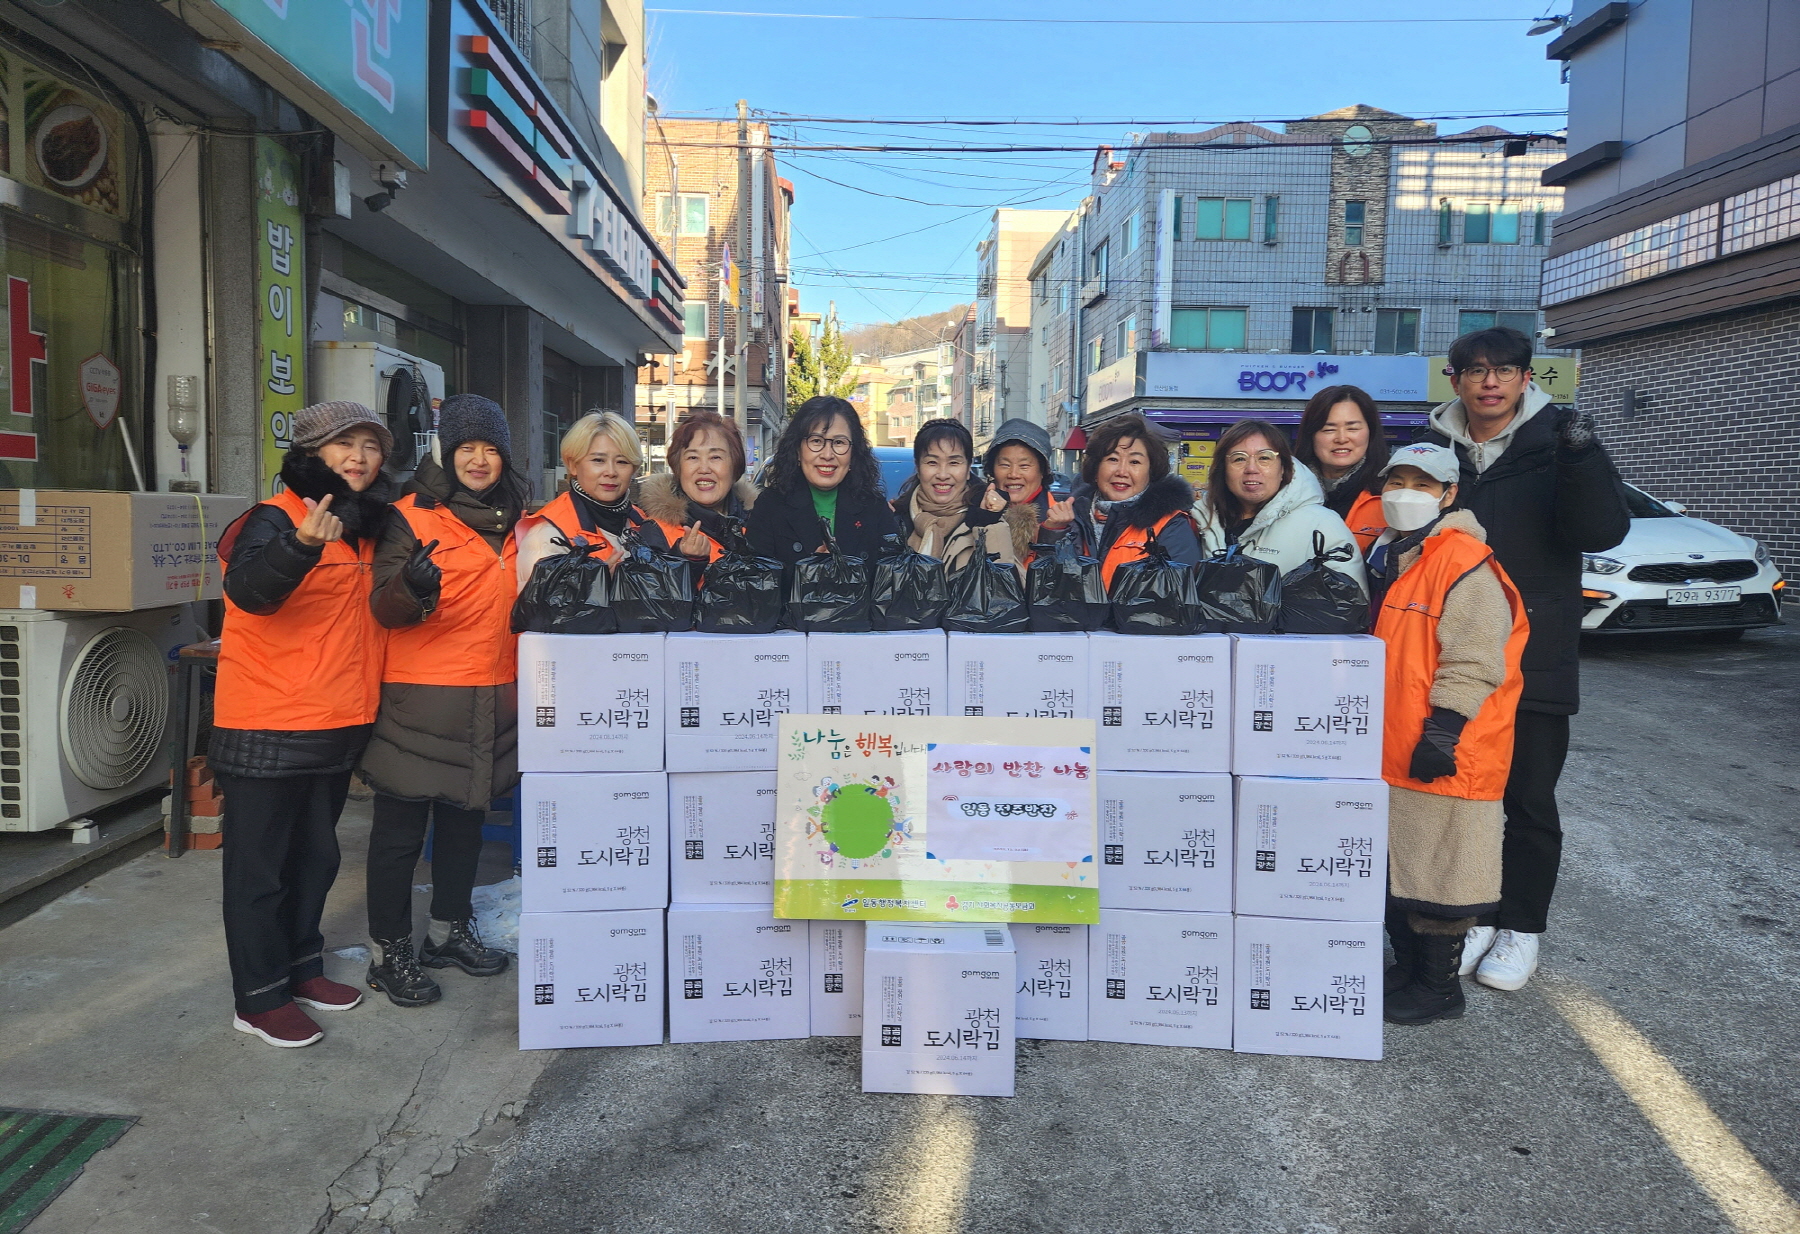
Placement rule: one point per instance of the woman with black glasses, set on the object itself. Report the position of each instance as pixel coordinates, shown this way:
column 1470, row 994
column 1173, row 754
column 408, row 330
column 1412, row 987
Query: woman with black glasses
column 823, row 475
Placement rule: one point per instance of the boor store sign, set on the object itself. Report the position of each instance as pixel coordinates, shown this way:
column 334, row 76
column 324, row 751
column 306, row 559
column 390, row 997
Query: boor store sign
column 1240, row 375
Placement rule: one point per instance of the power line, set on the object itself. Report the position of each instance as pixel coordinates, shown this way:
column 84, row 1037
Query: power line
column 1110, row 21
column 779, row 117
column 1208, row 147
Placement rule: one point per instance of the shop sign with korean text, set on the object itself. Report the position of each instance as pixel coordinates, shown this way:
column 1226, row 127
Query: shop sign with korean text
column 1243, row 374
column 930, row 818
column 1556, row 376
column 281, row 301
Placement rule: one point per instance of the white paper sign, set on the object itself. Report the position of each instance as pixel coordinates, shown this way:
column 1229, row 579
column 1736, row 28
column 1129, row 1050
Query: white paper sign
column 1004, row 803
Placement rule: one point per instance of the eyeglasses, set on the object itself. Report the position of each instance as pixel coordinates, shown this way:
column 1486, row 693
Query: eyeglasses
column 827, row 445
column 1503, row 372
column 1265, row 458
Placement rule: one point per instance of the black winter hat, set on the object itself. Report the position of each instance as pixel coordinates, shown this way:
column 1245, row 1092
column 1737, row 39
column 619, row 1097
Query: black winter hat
column 1020, row 432
column 470, row 417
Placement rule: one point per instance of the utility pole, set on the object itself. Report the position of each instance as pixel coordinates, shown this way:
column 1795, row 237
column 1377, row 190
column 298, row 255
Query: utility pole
column 743, row 247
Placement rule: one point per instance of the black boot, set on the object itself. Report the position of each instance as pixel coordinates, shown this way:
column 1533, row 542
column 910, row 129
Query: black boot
column 395, row 972
column 1406, row 951
column 463, row 948
column 1435, row 992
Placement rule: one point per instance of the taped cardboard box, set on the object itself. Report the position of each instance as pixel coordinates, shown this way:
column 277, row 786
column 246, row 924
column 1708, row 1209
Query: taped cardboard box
column 722, row 837
column 1307, row 705
column 1052, row 1003
column 938, row 1005
column 1042, row 675
column 1311, row 848
column 590, row 702
column 594, row 842
column 726, row 693
column 1165, row 841
column 737, row 974
column 891, row 673
column 1310, row 988
column 1164, row 704
column 837, row 978
column 1159, row 978
column 84, row 551
column 590, row 979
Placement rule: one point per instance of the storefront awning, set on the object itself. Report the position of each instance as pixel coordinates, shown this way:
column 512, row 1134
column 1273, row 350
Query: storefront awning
column 1077, row 439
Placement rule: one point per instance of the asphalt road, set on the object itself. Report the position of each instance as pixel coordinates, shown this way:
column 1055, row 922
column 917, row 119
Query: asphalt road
column 1653, row 1059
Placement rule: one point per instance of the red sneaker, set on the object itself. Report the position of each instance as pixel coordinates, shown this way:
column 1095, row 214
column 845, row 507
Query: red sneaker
column 287, row 1026
column 324, row 995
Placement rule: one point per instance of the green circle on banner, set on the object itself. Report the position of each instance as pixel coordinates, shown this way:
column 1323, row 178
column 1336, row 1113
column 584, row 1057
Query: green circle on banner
column 858, row 821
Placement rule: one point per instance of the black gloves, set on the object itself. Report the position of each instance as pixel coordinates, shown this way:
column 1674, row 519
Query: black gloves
column 1435, row 755
column 423, row 578
column 1576, row 432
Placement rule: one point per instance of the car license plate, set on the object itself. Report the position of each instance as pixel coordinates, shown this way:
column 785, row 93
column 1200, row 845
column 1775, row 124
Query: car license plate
column 1704, row 595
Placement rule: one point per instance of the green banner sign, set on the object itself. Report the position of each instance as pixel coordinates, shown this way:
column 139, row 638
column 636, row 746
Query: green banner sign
column 281, row 294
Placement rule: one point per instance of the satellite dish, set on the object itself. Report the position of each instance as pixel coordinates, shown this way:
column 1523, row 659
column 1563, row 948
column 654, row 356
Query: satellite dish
column 1358, row 141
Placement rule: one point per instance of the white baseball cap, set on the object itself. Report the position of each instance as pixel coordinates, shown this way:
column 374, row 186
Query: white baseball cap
column 1438, row 462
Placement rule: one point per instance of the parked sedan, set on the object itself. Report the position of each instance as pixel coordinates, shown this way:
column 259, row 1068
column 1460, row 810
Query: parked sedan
column 1678, row 572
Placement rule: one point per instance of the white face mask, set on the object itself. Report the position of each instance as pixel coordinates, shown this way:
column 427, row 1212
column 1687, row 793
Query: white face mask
column 1407, row 509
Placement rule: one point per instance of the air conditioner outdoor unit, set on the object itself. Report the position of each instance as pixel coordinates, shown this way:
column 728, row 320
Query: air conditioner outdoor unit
column 84, row 709
column 403, row 389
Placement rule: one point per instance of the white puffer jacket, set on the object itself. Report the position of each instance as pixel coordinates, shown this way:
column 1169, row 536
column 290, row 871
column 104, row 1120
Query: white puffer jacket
column 1282, row 531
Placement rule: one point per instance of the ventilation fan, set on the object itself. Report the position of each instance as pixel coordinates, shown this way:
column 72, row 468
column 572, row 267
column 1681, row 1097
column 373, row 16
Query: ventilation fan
column 115, row 708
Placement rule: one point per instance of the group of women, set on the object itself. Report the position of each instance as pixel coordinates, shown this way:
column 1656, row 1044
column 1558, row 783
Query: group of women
column 369, row 632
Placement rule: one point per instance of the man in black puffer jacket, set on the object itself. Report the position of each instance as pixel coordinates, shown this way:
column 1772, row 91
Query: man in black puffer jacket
column 1542, row 485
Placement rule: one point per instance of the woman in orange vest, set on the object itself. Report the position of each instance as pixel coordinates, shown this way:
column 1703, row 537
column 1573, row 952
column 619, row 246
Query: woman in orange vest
column 299, row 678
column 603, row 457
column 444, row 744
column 689, row 505
column 1128, row 497
column 1341, row 440
column 1455, row 629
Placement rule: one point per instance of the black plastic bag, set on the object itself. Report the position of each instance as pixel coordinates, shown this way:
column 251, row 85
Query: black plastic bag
column 1238, row 594
column 908, row 590
column 1153, row 595
column 653, row 591
column 1315, row 599
column 740, row 593
column 1065, row 590
column 828, row 592
column 987, row 596
column 567, row 593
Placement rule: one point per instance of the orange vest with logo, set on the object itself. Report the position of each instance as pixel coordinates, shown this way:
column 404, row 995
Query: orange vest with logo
column 467, row 640
column 1130, row 546
column 315, row 662
column 1366, row 520
column 1408, row 624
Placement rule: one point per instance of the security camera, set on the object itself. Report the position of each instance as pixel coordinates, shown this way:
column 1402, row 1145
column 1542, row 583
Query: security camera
column 1547, row 332
column 392, row 179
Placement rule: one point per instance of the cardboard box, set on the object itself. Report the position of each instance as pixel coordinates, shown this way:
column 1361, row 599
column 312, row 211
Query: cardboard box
column 898, row 673
column 736, row 974
column 722, row 837
column 837, row 978
column 1165, row 841
column 1307, row 705
column 1052, row 1003
column 80, row 550
column 1310, row 988
column 938, row 1005
column 594, row 842
column 590, row 702
column 588, row 979
column 1311, row 848
column 724, row 694
column 1158, row 978
column 1164, row 704
column 1019, row 675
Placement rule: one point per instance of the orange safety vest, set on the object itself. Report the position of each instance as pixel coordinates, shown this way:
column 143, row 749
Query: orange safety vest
column 560, row 512
column 1366, row 520
column 672, row 532
column 467, row 640
column 1408, row 624
column 315, row 662
column 1130, row 546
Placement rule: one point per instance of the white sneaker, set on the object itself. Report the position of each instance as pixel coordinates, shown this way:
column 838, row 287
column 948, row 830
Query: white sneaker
column 1475, row 945
column 1509, row 964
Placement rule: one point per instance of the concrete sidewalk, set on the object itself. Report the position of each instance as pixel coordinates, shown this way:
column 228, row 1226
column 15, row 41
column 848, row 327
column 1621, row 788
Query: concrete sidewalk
column 117, row 1001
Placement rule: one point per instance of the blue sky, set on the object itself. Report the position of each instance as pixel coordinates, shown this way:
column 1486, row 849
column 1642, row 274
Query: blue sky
column 851, row 241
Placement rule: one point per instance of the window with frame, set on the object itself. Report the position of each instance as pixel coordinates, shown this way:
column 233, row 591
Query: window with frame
column 1396, row 331
column 1313, row 329
column 1478, row 222
column 1131, row 232
column 1271, row 218
column 1056, row 378
column 1221, row 218
column 1208, row 329
column 1127, row 341
column 1096, row 355
column 682, row 213
column 1175, row 220
column 1445, row 216
column 1097, row 260
column 1504, row 228
column 1062, row 298
column 1540, row 228
column 693, row 320
column 1525, row 322
column 1354, row 214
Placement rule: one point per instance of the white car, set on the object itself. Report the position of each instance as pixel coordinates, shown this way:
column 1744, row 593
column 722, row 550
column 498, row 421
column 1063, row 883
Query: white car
column 1677, row 572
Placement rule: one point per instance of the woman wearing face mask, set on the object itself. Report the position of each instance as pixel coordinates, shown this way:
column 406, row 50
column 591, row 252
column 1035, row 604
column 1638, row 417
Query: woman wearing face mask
column 704, row 487
column 1455, row 629
column 943, row 511
column 603, row 456
column 299, row 681
column 823, row 475
column 1017, row 463
column 1129, row 498
column 1260, row 501
column 444, row 744
column 1341, row 442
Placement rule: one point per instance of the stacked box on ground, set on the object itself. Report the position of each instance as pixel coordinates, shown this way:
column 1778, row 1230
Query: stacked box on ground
column 1308, row 988
column 938, row 1007
column 724, row 693
column 594, row 842
column 590, row 979
column 736, row 973
column 1163, row 704
column 1165, row 840
column 1052, row 1003
column 898, row 673
column 837, row 978
column 1307, row 705
column 591, row 702
column 1160, row 978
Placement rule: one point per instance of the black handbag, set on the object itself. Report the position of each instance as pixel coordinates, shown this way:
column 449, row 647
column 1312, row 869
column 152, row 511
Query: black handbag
column 1315, row 599
column 567, row 593
column 740, row 593
column 1153, row 595
column 1238, row 594
column 828, row 592
column 1065, row 590
column 987, row 596
column 653, row 591
column 908, row 589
